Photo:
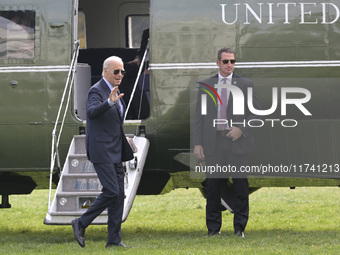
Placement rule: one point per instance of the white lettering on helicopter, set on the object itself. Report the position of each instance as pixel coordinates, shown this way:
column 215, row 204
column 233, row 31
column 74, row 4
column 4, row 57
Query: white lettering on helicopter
column 266, row 13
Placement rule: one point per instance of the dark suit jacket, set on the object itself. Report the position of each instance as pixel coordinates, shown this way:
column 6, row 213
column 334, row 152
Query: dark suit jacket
column 105, row 139
column 205, row 134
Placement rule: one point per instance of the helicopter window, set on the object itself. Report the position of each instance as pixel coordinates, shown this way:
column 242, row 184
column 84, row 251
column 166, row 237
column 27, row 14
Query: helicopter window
column 82, row 30
column 135, row 26
column 17, row 34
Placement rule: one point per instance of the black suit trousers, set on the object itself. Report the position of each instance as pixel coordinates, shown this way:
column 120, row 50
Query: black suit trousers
column 111, row 177
column 238, row 199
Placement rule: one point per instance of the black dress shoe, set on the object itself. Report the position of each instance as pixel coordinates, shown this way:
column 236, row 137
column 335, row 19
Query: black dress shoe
column 239, row 233
column 212, row 233
column 117, row 245
column 79, row 233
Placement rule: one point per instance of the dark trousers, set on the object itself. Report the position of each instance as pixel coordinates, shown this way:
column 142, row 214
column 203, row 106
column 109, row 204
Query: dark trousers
column 238, row 199
column 111, row 177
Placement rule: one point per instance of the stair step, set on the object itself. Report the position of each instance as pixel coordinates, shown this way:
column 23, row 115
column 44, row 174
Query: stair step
column 78, row 163
column 65, row 218
column 79, row 213
column 90, row 193
column 75, row 201
column 79, row 144
column 80, row 183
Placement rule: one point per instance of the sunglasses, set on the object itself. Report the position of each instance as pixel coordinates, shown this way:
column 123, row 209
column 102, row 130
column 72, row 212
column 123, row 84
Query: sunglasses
column 115, row 72
column 225, row 61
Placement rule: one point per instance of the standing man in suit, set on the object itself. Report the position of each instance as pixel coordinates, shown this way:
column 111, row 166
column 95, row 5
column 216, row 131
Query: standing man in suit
column 107, row 148
column 225, row 144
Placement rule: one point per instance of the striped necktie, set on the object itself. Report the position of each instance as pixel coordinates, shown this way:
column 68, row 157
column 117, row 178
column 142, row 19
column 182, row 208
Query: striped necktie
column 120, row 106
column 223, row 108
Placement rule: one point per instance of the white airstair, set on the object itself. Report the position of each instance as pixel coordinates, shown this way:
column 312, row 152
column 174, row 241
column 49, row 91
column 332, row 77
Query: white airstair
column 79, row 185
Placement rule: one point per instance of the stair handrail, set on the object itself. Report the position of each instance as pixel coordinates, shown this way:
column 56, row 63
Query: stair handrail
column 55, row 138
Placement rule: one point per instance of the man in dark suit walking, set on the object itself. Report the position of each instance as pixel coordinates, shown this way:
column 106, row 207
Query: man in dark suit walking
column 228, row 141
column 107, row 148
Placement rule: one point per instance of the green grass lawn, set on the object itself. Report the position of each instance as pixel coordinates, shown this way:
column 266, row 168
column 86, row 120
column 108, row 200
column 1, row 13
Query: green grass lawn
column 282, row 221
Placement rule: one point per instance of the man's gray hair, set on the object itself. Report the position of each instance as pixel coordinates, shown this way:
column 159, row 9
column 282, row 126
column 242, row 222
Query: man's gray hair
column 107, row 62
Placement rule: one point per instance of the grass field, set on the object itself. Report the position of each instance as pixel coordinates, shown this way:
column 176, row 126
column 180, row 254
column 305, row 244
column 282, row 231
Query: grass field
column 282, row 221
